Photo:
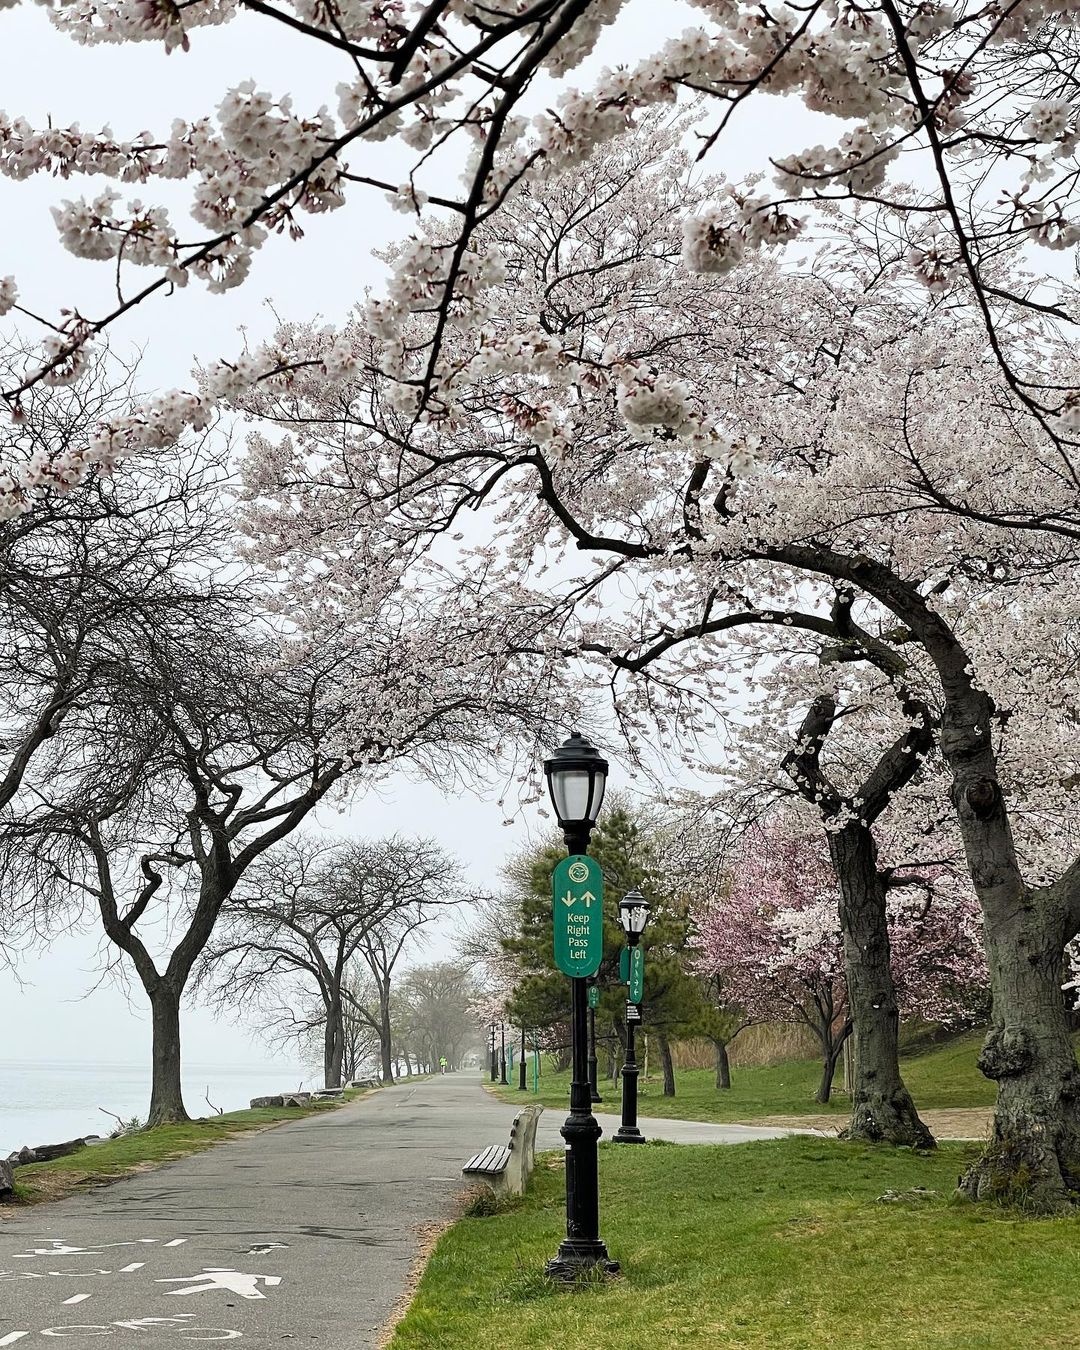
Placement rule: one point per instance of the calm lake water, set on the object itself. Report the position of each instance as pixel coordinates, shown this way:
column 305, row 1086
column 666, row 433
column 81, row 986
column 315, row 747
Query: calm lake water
column 50, row 1101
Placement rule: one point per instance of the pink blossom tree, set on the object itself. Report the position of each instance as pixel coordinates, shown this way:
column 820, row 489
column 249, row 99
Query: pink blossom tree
column 773, row 936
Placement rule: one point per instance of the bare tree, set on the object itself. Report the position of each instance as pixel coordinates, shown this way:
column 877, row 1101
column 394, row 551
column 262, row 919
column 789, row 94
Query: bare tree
column 306, row 911
column 432, row 881
column 436, row 1010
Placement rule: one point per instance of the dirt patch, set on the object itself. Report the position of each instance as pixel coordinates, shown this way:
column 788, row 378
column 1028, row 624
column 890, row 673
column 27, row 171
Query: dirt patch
column 963, row 1123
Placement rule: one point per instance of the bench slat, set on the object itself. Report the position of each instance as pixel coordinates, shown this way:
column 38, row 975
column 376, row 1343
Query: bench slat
column 490, row 1161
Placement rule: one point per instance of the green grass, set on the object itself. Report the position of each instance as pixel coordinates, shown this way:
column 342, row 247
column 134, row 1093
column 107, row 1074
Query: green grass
column 942, row 1077
column 758, row 1246
column 146, row 1149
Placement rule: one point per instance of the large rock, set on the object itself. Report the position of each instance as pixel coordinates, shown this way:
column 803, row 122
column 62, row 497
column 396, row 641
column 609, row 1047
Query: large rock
column 46, row 1152
column 256, row 1102
column 7, row 1179
column 296, row 1099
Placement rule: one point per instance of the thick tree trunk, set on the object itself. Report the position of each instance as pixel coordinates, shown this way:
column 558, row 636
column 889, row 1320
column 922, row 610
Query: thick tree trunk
column 723, row 1067
column 166, row 1094
column 668, row 1063
column 333, row 1048
column 1032, row 1157
column 881, row 1106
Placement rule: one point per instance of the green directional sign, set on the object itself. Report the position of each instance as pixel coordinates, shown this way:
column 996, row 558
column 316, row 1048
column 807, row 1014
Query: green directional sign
column 624, row 965
column 637, row 974
column 594, row 996
column 577, row 892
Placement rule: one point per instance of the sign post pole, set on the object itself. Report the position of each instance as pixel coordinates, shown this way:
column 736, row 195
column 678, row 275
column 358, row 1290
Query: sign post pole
column 577, row 896
column 594, row 999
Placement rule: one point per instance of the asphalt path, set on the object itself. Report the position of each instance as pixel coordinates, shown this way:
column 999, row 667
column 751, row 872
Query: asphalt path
column 302, row 1235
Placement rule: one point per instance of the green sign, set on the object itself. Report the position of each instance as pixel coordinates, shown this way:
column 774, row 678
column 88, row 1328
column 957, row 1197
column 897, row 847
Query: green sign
column 636, row 979
column 594, row 996
column 577, row 892
column 624, row 965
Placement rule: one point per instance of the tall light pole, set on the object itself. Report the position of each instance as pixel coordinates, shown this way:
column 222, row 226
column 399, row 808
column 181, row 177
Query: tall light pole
column 633, row 915
column 577, row 775
column 523, row 1081
column 494, row 1070
column 502, row 1055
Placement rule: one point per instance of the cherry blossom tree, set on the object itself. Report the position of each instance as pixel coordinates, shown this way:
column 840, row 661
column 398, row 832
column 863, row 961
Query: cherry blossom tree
column 907, row 510
column 773, row 935
column 979, row 102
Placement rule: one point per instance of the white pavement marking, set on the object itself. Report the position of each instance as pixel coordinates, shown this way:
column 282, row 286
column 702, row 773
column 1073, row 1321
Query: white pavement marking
column 176, row 1242
column 12, row 1337
column 135, row 1265
column 77, row 1298
column 222, row 1277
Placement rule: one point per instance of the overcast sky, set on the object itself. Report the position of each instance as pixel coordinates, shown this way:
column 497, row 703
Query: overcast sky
column 43, row 76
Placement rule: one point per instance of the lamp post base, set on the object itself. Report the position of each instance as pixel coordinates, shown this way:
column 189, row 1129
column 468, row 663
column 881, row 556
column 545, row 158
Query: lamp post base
column 578, row 1255
column 628, row 1134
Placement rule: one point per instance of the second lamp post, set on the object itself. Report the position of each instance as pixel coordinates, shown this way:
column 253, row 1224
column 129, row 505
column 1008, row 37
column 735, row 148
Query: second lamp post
column 633, row 915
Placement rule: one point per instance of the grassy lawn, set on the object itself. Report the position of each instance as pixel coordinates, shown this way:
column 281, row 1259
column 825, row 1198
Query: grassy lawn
column 779, row 1244
column 940, row 1078
column 102, row 1163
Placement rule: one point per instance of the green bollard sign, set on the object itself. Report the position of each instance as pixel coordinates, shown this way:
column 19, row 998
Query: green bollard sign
column 594, row 996
column 577, row 892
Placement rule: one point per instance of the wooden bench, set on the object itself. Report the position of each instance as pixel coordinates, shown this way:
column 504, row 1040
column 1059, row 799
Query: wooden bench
column 506, row 1167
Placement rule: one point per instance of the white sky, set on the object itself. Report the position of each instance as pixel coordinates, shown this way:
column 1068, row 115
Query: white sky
column 44, row 75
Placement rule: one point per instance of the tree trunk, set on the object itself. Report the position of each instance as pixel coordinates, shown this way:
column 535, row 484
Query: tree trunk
column 166, row 1095
column 881, row 1106
column 830, row 1054
column 669, row 1066
column 386, row 1047
column 723, row 1067
column 1033, row 1155
column 333, row 1047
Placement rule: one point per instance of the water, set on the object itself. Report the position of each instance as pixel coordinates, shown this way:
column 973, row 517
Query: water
column 53, row 1100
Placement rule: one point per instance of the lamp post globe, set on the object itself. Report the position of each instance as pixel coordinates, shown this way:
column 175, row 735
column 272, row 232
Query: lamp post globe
column 633, row 916
column 577, row 777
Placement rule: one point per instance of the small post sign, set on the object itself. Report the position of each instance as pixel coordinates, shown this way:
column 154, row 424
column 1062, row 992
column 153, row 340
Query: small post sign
column 633, row 1012
column 594, row 996
column 636, row 979
column 624, row 965
column 577, row 891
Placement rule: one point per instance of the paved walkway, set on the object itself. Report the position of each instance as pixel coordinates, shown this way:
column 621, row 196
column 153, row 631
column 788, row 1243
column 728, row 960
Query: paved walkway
column 302, row 1235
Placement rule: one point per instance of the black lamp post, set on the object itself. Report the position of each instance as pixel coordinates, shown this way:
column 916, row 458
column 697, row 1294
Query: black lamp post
column 494, row 1067
column 633, row 915
column 502, row 1055
column 594, row 1091
column 523, row 1081
column 577, row 775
